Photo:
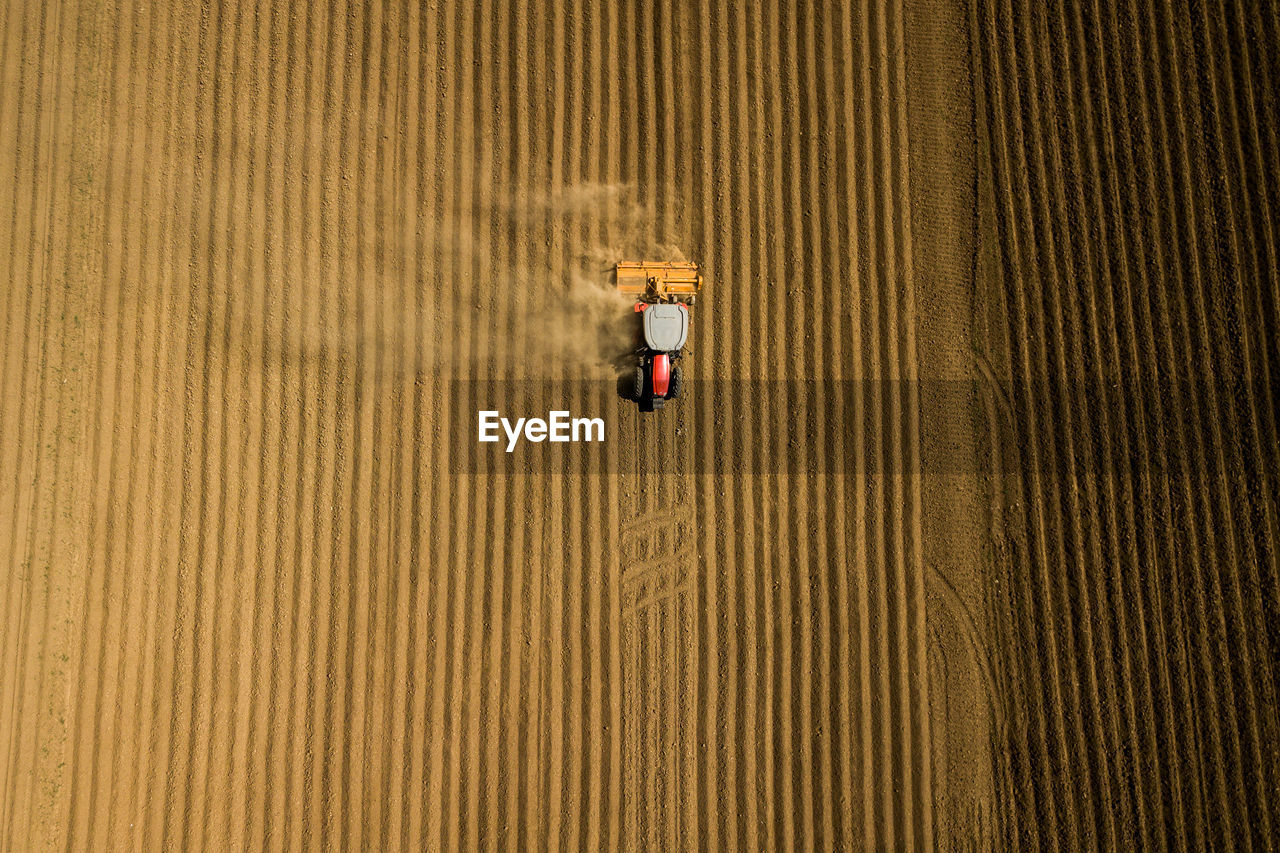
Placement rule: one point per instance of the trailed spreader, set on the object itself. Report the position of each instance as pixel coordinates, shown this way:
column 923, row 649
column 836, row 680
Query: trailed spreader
column 664, row 292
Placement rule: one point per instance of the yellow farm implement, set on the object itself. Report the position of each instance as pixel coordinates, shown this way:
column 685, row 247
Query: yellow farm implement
column 658, row 281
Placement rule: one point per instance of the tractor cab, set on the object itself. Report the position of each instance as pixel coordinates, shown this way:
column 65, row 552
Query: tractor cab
column 666, row 326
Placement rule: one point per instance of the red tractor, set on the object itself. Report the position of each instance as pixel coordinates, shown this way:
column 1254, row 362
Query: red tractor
column 664, row 293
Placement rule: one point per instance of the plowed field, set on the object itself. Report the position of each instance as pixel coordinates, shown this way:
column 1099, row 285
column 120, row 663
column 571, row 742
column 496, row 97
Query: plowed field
column 963, row 535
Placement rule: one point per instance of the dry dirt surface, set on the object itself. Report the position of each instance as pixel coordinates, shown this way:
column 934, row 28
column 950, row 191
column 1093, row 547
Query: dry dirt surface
column 964, row 536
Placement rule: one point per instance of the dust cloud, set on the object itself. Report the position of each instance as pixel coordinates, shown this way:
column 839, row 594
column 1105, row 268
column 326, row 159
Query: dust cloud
column 581, row 326
column 518, row 287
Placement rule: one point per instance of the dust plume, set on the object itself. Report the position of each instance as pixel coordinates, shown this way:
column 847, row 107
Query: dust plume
column 577, row 325
column 519, row 287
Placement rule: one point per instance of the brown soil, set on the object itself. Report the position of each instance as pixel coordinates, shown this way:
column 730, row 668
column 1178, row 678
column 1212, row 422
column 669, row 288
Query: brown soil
column 1130, row 285
column 1016, row 581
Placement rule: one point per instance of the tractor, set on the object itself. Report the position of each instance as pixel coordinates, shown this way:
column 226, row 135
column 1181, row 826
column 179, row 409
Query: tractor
column 664, row 292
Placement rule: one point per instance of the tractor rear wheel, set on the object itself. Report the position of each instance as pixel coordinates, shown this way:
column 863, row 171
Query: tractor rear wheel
column 673, row 384
column 631, row 384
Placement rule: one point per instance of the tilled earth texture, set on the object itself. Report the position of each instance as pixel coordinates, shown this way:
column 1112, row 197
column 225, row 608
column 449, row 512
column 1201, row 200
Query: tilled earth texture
column 963, row 535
